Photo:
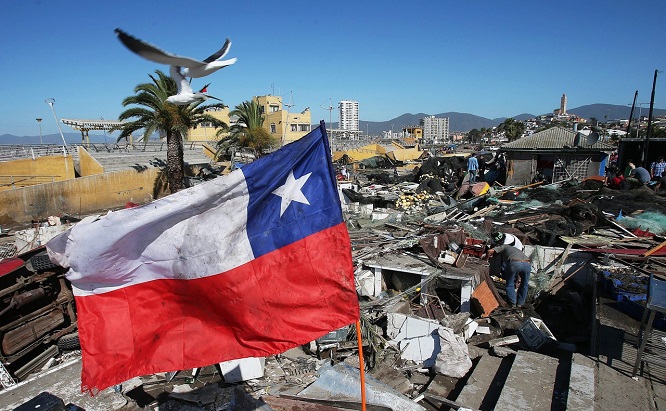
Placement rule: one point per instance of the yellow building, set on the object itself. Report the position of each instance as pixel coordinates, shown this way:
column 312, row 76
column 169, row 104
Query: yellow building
column 281, row 124
column 206, row 132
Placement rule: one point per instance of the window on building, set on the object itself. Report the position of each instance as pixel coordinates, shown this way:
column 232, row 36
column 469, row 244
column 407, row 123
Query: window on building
column 304, row 127
column 567, row 168
column 274, row 108
column 273, row 128
column 294, row 127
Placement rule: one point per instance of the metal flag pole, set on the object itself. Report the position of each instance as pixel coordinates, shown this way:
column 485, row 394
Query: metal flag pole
column 361, row 363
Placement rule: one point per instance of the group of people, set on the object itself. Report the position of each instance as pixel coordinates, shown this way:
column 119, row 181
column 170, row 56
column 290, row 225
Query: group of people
column 635, row 175
column 516, row 266
column 477, row 167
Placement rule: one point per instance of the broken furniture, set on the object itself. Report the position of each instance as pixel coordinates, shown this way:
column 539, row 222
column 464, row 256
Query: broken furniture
column 651, row 341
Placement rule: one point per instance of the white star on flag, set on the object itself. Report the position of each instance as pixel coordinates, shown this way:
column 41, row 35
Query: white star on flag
column 291, row 191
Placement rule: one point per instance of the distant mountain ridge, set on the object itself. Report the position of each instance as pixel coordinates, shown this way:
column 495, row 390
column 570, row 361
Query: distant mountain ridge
column 458, row 122
column 464, row 122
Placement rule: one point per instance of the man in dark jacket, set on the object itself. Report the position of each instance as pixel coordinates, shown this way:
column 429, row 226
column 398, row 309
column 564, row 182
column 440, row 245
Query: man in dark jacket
column 516, row 265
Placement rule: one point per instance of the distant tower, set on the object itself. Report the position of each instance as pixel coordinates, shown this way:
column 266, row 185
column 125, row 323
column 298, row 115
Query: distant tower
column 563, row 105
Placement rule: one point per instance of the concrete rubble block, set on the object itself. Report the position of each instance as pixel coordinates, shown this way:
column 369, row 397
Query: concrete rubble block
column 453, row 359
column 455, row 321
column 469, row 329
column 400, row 306
column 581, row 384
column 530, row 384
column 341, row 382
column 484, row 385
column 400, row 326
column 393, row 378
column 475, row 351
column 243, row 369
column 509, row 339
column 502, row 351
column 441, row 385
column 63, row 381
column 415, row 337
column 200, row 398
column 241, row 401
column 365, row 283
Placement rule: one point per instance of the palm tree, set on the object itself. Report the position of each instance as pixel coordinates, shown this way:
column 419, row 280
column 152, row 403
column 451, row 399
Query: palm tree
column 512, row 129
column 154, row 114
column 248, row 132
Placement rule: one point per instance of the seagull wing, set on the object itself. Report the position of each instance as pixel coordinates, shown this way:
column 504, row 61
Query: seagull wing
column 209, row 68
column 154, row 53
column 220, row 53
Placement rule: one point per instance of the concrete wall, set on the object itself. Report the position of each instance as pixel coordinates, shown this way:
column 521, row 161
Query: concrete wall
column 44, row 169
column 525, row 164
column 88, row 166
column 205, row 132
column 78, row 196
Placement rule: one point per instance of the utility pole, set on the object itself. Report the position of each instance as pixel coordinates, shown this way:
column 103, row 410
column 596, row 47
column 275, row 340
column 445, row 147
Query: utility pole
column 649, row 126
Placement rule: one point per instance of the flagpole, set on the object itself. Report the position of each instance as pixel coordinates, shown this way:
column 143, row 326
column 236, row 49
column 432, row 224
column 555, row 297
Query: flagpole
column 361, row 363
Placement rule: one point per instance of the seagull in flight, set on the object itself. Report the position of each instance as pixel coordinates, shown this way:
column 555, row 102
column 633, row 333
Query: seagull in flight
column 185, row 94
column 193, row 68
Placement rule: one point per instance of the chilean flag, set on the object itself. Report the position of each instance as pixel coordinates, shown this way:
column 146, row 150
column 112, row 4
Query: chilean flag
column 245, row 265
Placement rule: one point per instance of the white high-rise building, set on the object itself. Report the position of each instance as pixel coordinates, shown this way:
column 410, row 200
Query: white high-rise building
column 435, row 129
column 348, row 115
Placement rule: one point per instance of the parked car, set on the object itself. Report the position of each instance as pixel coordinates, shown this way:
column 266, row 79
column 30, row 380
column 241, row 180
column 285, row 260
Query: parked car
column 37, row 311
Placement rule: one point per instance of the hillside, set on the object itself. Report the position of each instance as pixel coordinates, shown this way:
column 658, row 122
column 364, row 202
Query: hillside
column 463, row 122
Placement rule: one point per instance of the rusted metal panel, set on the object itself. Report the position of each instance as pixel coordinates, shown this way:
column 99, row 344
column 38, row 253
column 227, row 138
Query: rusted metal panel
column 21, row 337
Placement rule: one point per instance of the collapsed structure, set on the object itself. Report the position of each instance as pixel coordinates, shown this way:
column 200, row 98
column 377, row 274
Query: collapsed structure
column 434, row 317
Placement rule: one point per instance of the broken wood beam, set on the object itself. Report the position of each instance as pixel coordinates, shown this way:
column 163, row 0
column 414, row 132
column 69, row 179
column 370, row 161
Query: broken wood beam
column 653, row 250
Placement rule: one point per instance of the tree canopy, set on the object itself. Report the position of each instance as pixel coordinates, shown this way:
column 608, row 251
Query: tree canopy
column 248, row 132
column 153, row 114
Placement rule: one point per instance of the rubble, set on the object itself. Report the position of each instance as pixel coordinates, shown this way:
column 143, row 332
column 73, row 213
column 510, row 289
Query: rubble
column 433, row 307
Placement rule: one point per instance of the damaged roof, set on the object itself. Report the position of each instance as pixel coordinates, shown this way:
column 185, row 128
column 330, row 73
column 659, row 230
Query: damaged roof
column 555, row 138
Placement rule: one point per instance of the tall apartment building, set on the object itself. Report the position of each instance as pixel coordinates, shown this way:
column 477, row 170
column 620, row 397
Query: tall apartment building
column 348, row 115
column 283, row 125
column 349, row 123
column 563, row 105
column 435, row 130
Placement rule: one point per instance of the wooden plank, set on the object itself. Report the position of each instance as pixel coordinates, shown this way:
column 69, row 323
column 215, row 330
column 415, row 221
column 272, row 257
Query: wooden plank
column 653, row 250
column 485, row 299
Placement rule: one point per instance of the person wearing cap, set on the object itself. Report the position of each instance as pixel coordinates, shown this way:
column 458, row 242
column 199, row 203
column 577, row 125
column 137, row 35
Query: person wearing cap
column 516, row 266
column 499, row 238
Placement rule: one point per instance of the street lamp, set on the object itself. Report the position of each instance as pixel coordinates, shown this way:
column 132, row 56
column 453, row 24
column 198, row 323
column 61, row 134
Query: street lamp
column 50, row 102
column 39, row 121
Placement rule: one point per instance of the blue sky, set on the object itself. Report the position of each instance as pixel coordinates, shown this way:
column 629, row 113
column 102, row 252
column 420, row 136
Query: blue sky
column 489, row 58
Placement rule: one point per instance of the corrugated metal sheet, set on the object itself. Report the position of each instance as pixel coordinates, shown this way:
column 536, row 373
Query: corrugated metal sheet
column 555, row 138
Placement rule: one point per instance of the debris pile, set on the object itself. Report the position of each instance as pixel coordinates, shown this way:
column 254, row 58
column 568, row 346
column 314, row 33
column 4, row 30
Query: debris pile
column 433, row 305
